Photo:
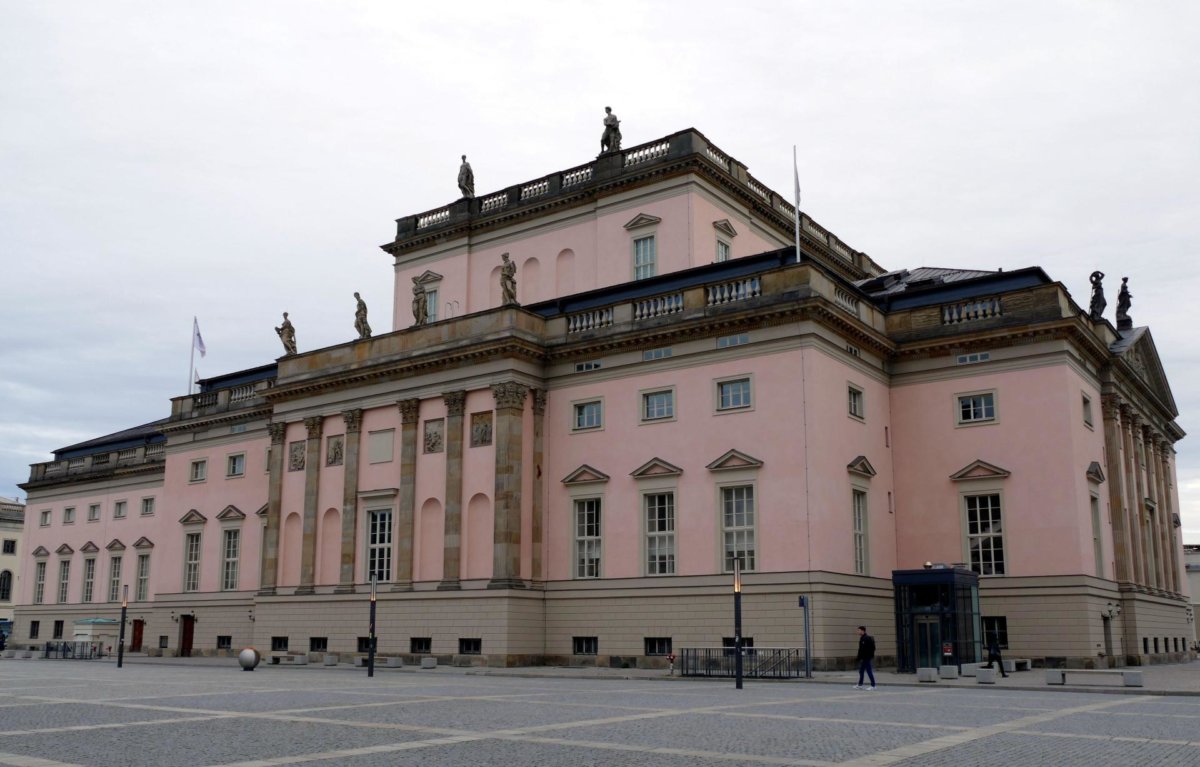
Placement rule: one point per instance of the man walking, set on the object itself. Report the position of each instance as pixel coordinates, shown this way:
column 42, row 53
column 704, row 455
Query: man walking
column 866, row 654
column 994, row 655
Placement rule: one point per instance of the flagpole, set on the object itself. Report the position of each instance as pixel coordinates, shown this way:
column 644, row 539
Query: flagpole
column 796, row 171
column 192, row 359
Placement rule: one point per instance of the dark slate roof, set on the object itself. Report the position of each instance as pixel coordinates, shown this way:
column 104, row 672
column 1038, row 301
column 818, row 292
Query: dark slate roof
column 899, row 281
column 249, row 375
column 145, row 434
column 926, row 285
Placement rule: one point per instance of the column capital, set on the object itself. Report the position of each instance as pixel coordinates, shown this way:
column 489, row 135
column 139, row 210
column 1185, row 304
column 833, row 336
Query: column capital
column 456, row 403
column 408, row 410
column 314, row 424
column 1110, row 406
column 353, row 419
column 539, row 401
column 276, row 430
column 510, row 395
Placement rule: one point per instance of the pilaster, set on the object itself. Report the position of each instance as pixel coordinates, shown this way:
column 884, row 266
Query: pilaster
column 349, row 549
column 402, row 578
column 1118, row 512
column 452, row 535
column 312, row 478
column 270, row 558
column 1132, row 501
column 539, row 482
column 506, row 541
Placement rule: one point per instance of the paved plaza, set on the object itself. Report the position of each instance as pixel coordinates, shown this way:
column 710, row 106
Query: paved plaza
column 55, row 713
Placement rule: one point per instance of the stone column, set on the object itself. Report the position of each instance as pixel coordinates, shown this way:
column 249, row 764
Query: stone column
column 1146, row 480
column 312, row 478
column 1172, row 507
column 1164, row 513
column 539, row 483
column 270, row 558
column 452, row 536
column 402, row 577
column 1132, row 501
column 507, row 434
column 347, row 571
column 1118, row 512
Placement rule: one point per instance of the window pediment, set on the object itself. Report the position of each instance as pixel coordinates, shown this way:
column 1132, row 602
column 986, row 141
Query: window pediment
column 1095, row 473
column 642, row 219
column 263, row 511
column 41, row 551
column 656, row 467
column 143, row 543
column 64, row 550
column 862, row 467
column 585, row 474
column 427, row 277
column 115, row 545
column 979, row 469
column 734, row 459
column 89, row 548
column 724, row 227
column 231, row 514
column 193, row 517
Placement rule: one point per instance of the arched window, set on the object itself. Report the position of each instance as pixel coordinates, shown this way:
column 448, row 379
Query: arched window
column 6, row 586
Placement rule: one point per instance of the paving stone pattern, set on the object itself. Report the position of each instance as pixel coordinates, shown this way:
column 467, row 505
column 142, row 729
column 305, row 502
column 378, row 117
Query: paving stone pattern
column 56, row 713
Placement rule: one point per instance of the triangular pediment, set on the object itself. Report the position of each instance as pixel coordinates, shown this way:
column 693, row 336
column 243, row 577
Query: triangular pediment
column 115, row 545
column 734, row 459
column 231, row 513
column 41, row 551
column 64, row 550
column 642, row 219
column 979, row 469
column 193, row 517
column 427, row 277
column 585, row 474
column 725, row 227
column 89, row 548
column 262, row 512
column 143, row 543
column 861, row 466
column 1136, row 348
column 656, row 467
column 1095, row 473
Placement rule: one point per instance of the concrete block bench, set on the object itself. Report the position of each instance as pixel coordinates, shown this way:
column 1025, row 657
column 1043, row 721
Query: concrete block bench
column 278, row 659
column 395, row 662
column 985, row 675
column 1127, row 677
column 969, row 669
column 927, row 674
column 428, row 662
column 330, row 660
column 10, row 653
column 1017, row 664
column 948, row 672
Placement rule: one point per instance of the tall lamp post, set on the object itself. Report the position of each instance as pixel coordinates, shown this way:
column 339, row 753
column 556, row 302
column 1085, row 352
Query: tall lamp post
column 371, row 635
column 737, row 621
column 121, row 631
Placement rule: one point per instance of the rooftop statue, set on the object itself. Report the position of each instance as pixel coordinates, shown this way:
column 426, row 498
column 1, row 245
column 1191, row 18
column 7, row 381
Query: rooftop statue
column 508, row 281
column 466, row 179
column 360, row 317
column 610, row 140
column 1124, row 299
column 1098, row 303
column 420, row 306
column 287, row 334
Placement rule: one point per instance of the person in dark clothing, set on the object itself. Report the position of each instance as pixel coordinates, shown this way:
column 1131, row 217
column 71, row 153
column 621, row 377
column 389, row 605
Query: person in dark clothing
column 866, row 654
column 994, row 655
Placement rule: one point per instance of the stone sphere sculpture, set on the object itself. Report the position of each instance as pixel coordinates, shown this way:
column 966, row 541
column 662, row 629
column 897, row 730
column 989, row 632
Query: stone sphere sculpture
column 248, row 659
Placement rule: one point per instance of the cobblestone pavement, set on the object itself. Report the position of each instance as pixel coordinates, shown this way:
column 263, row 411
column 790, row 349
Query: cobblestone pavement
column 157, row 714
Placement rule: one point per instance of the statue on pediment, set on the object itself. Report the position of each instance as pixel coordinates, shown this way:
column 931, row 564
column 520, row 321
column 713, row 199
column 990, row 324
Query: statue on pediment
column 1124, row 300
column 1098, row 302
column 466, row 179
column 287, row 334
column 360, row 317
column 610, row 140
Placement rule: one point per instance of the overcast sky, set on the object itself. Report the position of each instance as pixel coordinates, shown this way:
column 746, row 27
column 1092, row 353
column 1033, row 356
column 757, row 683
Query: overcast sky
column 233, row 160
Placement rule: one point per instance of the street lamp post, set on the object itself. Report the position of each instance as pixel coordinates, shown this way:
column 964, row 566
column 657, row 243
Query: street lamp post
column 737, row 621
column 371, row 635
column 121, row 631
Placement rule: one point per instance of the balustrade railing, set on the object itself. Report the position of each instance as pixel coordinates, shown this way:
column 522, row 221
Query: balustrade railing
column 717, row 156
column 815, row 230
column 657, row 306
column 100, row 459
column 128, row 454
column 758, row 188
column 433, row 217
column 76, row 463
column 836, row 245
column 592, row 319
column 647, row 153
column 578, row 176
column 845, row 300
column 494, row 202
column 204, row 399
column 787, row 209
column 969, row 311
column 242, row 392
column 155, row 451
column 536, row 189
column 757, row 662
column 734, row 290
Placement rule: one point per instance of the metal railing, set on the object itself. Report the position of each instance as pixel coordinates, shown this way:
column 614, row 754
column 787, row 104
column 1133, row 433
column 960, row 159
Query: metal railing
column 757, row 662
column 73, row 650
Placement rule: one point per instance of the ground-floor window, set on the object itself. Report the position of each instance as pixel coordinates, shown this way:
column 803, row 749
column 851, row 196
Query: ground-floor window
column 318, row 644
column 995, row 627
column 472, row 646
column 279, row 644
column 224, row 642
column 420, row 645
column 584, row 645
column 658, row 645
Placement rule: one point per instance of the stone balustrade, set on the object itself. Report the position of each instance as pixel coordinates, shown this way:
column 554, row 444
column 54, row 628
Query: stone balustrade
column 646, row 153
column 576, row 177
column 972, row 310
column 433, row 218
column 844, row 299
column 493, row 202
column 717, row 156
column 658, row 306
column 735, row 290
column 593, row 319
column 536, row 189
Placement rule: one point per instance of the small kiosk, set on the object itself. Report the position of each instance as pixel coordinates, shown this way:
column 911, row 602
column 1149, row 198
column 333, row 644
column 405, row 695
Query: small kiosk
column 937, row 617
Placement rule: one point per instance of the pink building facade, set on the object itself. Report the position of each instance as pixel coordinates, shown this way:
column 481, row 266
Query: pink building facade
column 570, row 477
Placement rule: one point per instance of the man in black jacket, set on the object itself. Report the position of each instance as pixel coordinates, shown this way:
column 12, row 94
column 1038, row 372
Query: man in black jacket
column 994, row 655
column 866, row 654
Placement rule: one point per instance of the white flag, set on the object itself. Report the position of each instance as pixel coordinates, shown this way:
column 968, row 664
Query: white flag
column 197, row 341
column 197, row 380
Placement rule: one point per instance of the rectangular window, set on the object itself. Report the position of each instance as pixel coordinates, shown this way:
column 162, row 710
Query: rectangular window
column 141, row 590
column 724, row 342
column 861, row 557
column 722, row 251
column 39, row 583
column 235, row 465
column 996, row 628
column 656, row 354
column 420, row 645
column 225, row 642
column 89, row 578
column 660, row 533
column 657, row 645
column 35, row 628
column 119, row 509
column 69, row 515
column 588, row 415
column 431, row 305
column 1087, row 410
column 644, row 258
column 587, row 538
column 10, row 546
column 584, row 645
column 229, row 559
column 379, row 545
column 58, row 630
column 470, row 646
column 279, row 644
column 318, row 644
column 658, row 405
column 199, row 471
column 855, row 400
column 734, row 394
column 44, row 521
column 379, row 446
column 973, row 358
column 114, row 579
column 238, row 428
column 1097, row 541
column 147, row 507
column 584, row 367
column 985, row 540
column 977, row 408
column 164, row 641
column 191, row 562
column 94, row 512
column 64, row 579
column 737, row 521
